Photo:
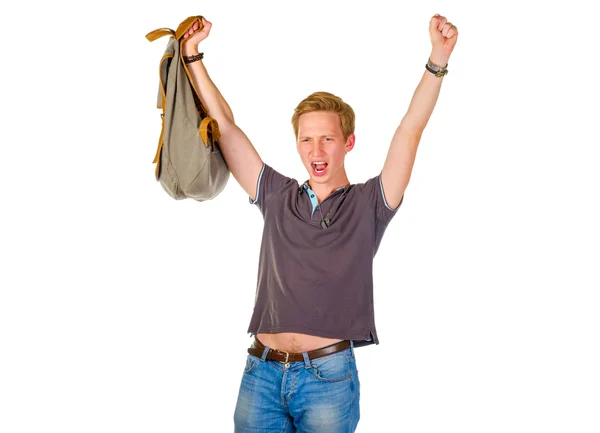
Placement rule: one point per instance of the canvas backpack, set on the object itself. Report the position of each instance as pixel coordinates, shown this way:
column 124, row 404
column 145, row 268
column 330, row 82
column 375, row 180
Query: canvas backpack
column 189, row 163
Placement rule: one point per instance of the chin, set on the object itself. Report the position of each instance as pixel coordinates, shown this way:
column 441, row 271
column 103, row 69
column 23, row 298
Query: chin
column 319, row 178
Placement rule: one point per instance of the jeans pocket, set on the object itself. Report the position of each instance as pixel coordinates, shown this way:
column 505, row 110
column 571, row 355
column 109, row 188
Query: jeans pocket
column 331, row 368
column 251, row 363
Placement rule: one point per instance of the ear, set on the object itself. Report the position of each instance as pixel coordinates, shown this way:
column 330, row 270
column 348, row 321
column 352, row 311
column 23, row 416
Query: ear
column 349, row 143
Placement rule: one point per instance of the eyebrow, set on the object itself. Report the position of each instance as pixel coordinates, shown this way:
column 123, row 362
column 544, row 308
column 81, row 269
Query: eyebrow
column 322, row 135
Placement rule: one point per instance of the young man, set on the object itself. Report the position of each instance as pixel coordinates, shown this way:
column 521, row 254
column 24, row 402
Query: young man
column 314, row 302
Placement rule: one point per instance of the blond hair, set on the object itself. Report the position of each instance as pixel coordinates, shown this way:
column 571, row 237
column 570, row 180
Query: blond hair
column 324, row 101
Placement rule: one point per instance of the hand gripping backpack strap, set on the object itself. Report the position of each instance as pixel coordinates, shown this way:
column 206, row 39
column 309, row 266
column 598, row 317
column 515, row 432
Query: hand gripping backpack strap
column 186, row 25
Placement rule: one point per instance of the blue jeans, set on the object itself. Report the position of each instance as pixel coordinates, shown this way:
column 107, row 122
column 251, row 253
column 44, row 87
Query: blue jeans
column 320, row 395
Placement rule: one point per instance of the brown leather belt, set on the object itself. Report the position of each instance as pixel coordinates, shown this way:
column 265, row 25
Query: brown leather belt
column 282, row 356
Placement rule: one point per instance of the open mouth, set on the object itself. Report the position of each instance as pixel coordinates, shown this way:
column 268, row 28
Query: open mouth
column 319, row 168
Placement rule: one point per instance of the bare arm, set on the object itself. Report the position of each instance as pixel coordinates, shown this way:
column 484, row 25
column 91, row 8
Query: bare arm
column 242, row 158
column 400, row 159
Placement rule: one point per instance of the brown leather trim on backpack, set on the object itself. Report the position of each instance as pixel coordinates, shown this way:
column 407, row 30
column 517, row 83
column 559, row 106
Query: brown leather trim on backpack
column 159, row 33
column 209, row 126
column 162, row 116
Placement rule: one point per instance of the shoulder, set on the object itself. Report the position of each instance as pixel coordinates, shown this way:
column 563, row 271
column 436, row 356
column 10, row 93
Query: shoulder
column 277, row 178
column 373, row 194
column 272, row 183
column 369, row 188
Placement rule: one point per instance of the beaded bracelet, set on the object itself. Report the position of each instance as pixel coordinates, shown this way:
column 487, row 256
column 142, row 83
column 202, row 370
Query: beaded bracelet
column 190, row 59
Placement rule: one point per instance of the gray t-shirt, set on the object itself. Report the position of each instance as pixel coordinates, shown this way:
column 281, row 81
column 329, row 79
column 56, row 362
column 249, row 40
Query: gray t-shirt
column 315, row 273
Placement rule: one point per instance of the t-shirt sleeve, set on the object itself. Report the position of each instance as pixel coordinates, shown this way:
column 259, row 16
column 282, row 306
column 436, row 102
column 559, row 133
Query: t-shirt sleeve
column 270, row 182
column 373, row 192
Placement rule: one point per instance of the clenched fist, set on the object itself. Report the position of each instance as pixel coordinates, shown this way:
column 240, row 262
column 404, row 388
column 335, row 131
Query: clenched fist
column 193, row 37
column 443, row 39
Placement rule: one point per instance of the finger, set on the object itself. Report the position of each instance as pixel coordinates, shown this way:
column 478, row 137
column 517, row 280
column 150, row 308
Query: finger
column 452, row 32
column 435, row 22
column 441, row 23
column 446, row 29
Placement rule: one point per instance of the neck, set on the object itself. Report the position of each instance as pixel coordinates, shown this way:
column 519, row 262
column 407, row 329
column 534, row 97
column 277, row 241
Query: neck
column 323, row 190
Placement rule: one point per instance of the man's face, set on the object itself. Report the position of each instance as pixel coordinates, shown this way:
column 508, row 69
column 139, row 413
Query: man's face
column 322, row 147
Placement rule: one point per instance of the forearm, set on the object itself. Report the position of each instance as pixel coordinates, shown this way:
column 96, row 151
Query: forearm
column 423, row 100
column 213, row 100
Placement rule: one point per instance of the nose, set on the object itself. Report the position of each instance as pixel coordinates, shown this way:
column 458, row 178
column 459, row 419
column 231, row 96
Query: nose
column 316, row 148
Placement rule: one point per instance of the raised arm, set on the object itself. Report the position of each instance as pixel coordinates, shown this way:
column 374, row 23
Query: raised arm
column 242, row 159
column 403, row 148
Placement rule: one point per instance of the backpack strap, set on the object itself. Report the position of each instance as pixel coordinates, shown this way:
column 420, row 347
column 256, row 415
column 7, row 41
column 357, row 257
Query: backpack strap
column 159, row 33
column 209, row 126
column 183, row 27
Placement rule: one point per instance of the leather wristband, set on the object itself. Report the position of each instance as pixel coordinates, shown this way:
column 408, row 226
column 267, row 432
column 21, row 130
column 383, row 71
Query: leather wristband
column 436, row 70
column 194, row 58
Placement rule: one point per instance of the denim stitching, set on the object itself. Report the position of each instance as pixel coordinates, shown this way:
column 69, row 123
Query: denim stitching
column 353, row 400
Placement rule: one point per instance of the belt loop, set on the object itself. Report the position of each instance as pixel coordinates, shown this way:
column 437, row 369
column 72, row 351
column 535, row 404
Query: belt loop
column 352, row 347
column 306, row 359
column 264, row 354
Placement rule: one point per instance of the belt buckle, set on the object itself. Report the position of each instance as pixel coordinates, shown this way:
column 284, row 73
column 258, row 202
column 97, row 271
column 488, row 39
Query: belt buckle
column 287, row 358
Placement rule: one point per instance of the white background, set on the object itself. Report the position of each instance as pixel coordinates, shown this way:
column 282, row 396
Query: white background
column 123, row 310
